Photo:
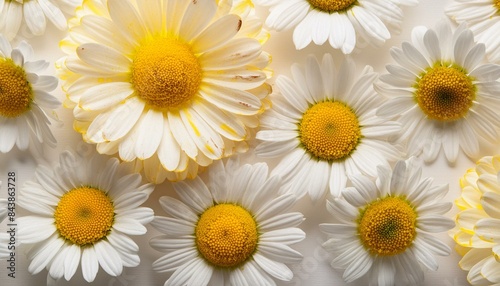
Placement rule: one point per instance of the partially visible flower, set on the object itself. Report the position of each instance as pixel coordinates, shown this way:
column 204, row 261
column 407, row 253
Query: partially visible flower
column 441, row 93
column 323, row 127
column 34, row 14
column 343, row 23
column 384, row 227
column 85, row 208
column 25, row 103
column 233, row 229
column 483, row 18
column 478, row 223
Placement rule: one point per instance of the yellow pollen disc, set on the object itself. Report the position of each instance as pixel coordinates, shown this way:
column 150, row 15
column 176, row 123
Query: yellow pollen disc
column 15, row 90
column 226, row 235
column 332, row 5
column 445, row 93
column 84, row 215
column 387, row 226
column 329, row 130
column 165, row 72
column 496, row 3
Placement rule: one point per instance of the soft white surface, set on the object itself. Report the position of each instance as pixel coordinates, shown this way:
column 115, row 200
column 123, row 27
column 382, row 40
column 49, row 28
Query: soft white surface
column 315, row 268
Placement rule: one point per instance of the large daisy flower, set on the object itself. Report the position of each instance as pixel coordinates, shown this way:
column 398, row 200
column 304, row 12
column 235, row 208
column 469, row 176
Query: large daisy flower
column 235, row 229
column 445, row 96
column 25, row 103
column 34, row 14
column 478, row 222
column 324, row 127
column 174, row 84
column 383, row 228
column 85, row 208
column 483, row 18
column 340, row 22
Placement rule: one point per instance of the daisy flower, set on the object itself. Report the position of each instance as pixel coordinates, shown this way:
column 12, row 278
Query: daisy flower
column 441, row 93
column 233, row 229
column 85, row 208
column 343, row 23
column 173, row 84
column 25, row 103
column 323, row 127
column 478, row 222
column 483, row 18
column 34, row 14
column 384, row 226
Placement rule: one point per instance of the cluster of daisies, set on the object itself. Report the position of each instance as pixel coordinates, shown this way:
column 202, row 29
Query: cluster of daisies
column 167, row 89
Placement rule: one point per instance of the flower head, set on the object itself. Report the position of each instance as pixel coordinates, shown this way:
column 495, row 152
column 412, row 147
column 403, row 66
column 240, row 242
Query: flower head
column 234, row 229
column 343, row 23
column 323, row 126
column 441, row 93
column 84, row 209
column 383, row 228
column 25, row 102
column 173, row 84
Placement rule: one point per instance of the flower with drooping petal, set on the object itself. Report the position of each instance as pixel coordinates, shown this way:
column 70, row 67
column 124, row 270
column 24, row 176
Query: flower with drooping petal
column 173, row 84
column 442, row 93
column 324, row 127
column 384, row 227
column 25, row 102
column 343, row 23
column 236, row 228
column 84, row 210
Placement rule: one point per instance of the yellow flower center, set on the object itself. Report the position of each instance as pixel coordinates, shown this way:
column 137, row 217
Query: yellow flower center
column 226, row 235
column 387, row 226
column 16, row 94
column 165, row 72
column 496, row 3
column 445, row 93
column 331, row 6
column 329, row 130
column 84, row 215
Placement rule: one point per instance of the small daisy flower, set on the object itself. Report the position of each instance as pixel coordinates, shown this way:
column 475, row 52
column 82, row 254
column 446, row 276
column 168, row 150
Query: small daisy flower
column 323, row 126
column 343, row 23
column 173, row 84
column 25, row 103
column 85, row 208
column 478, row 223
column 384, row 227
column 34, row 14
column 483, row 18
column 441, row 93
column 233, row 230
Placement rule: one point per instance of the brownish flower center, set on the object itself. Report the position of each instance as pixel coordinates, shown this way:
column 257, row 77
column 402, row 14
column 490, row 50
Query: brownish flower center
column 16, row 94
column 331, row 6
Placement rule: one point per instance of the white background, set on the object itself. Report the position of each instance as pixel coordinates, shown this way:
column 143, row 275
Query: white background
column 315, row 268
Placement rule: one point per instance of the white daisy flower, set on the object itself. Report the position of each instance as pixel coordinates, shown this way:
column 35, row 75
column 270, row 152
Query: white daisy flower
column 383, row 228
column 174, row 84
column 343, row 23
column 325, row 128
column 441, row 93
column 478, row 222
column 25, row 103
column 233, row 230
column 85, row 208
column 483, row 18
column 34, row 14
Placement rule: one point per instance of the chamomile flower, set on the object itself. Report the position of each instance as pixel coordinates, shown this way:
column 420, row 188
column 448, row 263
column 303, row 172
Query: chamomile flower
column 173, row 84
column 343, row 23
column 441, row 93
column 324, row 128
column 483, row 18
column 234, row 229
column 25, row 103
column 384, row 227
column 34, row 14
column 478, row 222
column 84, row 210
